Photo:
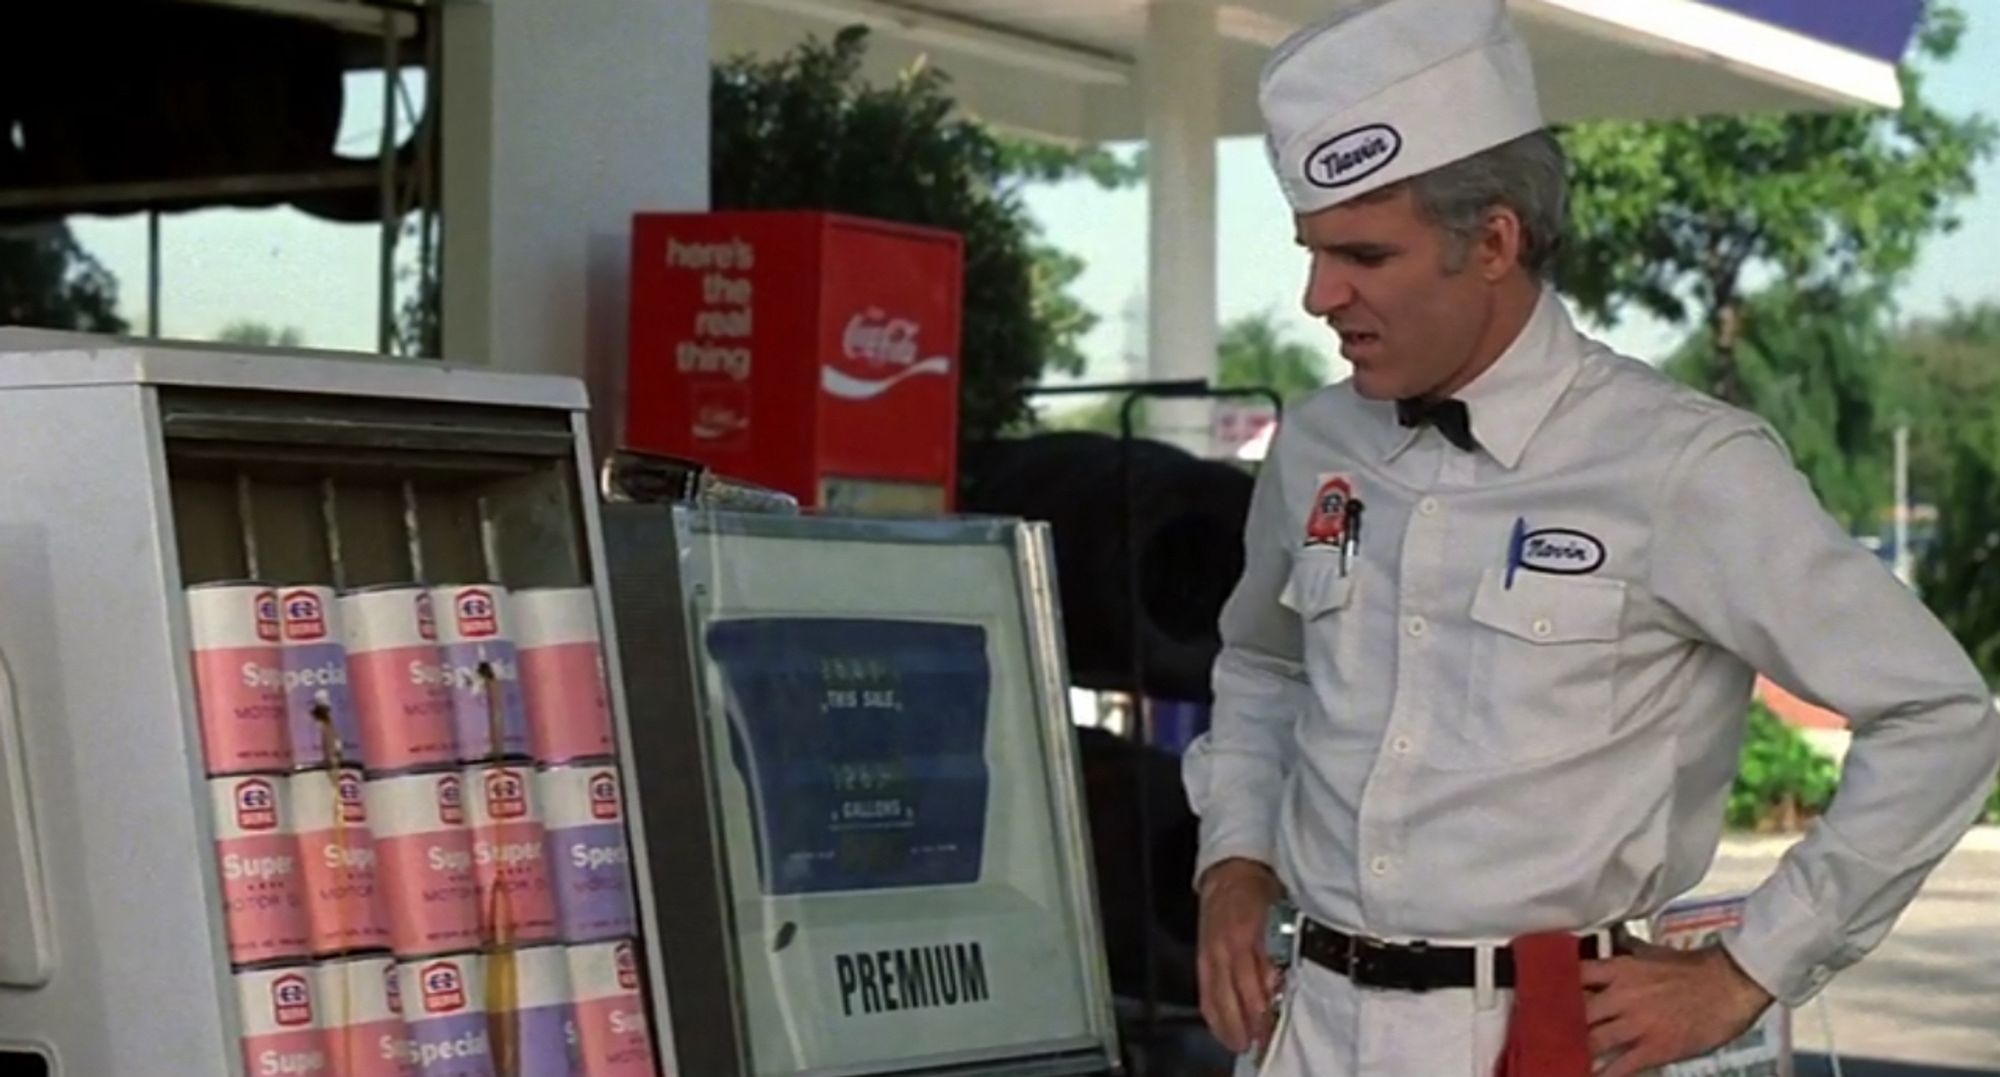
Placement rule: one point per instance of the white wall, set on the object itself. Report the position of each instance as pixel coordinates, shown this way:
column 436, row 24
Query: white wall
column 561, row 121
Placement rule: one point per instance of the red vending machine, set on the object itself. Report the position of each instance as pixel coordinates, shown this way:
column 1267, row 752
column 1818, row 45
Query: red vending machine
column 814, row 353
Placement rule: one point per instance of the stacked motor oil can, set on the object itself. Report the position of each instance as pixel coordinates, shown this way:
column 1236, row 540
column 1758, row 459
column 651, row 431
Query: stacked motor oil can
column 420, row 833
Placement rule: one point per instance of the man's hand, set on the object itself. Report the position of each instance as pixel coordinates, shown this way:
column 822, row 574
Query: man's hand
column 1237, row 977
column 1660, row 1006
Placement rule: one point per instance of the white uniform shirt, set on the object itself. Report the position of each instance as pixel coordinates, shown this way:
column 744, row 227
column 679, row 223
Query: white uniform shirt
column 1520, row 707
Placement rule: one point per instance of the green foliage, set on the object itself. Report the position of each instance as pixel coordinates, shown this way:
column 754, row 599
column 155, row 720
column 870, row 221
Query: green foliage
column 1782, row 779
column 259, row 335
column 805, row 131
column 1252, row 352
column 1671, row 218
column 47, row 280
column 1815, row 363
column 1948, row 384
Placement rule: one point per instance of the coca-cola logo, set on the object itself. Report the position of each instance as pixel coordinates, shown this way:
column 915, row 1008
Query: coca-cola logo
column 878, row 351
column 874, row 337
column 719, row 422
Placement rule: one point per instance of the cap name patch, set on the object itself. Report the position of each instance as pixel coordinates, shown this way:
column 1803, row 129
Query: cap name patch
column 1353, row 156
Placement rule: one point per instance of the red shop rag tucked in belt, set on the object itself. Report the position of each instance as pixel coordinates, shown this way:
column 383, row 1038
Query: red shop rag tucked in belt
column 1547, row 1035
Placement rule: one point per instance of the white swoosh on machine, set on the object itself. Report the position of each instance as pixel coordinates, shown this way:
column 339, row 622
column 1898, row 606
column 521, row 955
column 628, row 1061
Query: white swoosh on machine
column 849, row 387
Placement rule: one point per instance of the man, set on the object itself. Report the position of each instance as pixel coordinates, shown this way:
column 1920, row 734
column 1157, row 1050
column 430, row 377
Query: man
column 1486, row 673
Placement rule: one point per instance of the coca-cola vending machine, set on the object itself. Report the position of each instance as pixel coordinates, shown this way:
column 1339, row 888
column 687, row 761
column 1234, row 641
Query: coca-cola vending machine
column 814, row 353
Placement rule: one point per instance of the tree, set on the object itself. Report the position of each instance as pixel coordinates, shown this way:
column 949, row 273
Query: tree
column 1947, row 386
column 1813, row 363
column 259, row 335
column 1252, row 351
column 49, row 281
column 1679, row 219
column 804, row 131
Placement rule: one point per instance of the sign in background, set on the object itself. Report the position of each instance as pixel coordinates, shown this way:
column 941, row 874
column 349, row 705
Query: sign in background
column 1766, row 1049
column 794, row 349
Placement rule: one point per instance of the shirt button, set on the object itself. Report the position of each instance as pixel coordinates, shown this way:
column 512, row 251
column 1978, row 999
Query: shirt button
column 1401, row 745
column 1379, row 865
column 1543, row 626
column 1418, row 626
column 1428, row 506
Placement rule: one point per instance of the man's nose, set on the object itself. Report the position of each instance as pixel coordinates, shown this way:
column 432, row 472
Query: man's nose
column 1328, row 291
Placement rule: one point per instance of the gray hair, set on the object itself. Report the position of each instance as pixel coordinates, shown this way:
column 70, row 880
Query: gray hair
column 1529, row 175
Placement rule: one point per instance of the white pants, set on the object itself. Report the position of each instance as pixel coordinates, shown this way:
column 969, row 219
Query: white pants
column 1338, row 1030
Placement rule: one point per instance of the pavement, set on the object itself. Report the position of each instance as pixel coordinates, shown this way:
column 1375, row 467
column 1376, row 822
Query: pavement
column 1928, row 999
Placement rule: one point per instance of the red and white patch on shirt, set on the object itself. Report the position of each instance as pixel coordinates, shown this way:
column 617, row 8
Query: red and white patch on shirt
column 1326, row 521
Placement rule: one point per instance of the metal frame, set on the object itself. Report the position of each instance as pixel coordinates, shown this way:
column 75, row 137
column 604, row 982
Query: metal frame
column 401, row 192
column 673, row 749
column 101, row 411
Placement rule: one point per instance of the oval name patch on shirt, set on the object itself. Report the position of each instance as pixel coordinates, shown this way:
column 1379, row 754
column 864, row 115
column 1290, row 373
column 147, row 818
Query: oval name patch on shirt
column 1561, row 550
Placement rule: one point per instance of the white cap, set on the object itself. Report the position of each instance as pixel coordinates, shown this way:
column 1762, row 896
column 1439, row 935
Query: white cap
column 1394, row 89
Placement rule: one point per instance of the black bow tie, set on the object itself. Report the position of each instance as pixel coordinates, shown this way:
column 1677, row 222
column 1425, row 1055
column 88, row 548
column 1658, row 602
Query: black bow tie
column 1449, row 416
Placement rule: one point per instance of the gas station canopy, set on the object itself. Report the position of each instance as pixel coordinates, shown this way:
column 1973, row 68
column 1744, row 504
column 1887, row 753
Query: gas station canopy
column 1071, row 69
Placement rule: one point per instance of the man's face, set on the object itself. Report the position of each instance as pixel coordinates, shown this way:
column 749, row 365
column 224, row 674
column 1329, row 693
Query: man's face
column 1382, row 279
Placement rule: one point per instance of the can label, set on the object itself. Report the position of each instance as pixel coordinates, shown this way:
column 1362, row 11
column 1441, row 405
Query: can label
column 239, row 678
column 562, row 673
column 344, row 903
column 263, row 889
column 510, row 854
column 401, row 693
column 425, row 866
column 361, row 1003
column 319, row 704
column 610, row 1012
column 282, row 1027
column 533, row 1026
column 484, row 671
column 444, row 1004
column 592, row 867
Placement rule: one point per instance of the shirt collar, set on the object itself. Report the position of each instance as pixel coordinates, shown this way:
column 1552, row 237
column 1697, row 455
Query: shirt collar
column 1514, row 396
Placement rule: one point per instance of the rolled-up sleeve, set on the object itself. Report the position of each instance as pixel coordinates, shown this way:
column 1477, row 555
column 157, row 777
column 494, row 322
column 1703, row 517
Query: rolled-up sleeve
column 1749, row 558
column 1235, row 773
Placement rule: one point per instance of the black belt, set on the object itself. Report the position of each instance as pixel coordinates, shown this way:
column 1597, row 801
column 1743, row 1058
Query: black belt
column 1417, row 966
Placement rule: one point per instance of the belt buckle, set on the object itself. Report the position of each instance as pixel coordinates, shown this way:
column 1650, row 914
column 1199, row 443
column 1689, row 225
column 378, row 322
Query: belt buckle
column 1366, row 968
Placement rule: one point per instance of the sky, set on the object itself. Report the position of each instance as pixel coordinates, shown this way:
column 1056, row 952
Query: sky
column 284, row 268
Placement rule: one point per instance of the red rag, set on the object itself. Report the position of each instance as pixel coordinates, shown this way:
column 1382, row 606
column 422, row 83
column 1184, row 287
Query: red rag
column 1546, row 1033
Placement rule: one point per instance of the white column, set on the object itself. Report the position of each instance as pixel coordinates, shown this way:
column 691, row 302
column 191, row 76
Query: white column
column 561, row 120
column 1180, row 71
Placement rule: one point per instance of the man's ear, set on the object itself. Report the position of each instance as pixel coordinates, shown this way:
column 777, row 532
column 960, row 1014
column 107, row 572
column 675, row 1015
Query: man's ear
column 1501, row 244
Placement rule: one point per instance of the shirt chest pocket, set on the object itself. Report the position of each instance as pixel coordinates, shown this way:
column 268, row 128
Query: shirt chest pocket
column 1323, row 597
column 1544, row 659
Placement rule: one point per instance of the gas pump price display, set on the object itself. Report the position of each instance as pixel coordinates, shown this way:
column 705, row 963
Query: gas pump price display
column 861, row 743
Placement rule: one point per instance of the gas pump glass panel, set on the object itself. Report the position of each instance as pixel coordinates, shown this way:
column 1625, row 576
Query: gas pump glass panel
column 897, row 796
